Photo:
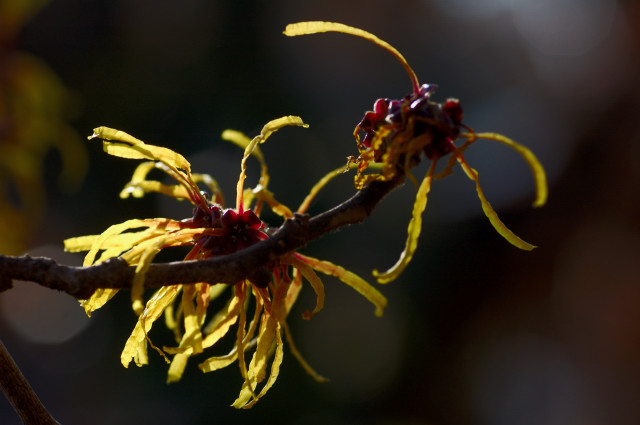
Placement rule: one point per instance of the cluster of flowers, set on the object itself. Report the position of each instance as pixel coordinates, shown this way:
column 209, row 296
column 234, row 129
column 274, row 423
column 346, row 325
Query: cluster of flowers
column 397, row 132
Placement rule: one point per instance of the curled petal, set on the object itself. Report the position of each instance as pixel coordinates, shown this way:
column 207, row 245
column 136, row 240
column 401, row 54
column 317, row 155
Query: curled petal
column 241, row 294
column 539, row 174
column 80, row 243
column 258, row 365
column 306, row 268
column 304, row 206
column 269, row 128
column 241, row 140
column 142, row 255
column 218, row 362
column 97, row 299
column 211, row 184
column 154, row 308
column 265, row 195
column 490, row 213
column 314, row 27
column 350, row 278
column 294, row 291
column 139, row 175
column 139, row 185
column 413, row 231
column 116, row 229
column 448, row 169
column 119, row 143
column 221, row 324
column 139, row 189
column 191, row 342
column 123, row 241
column 292, row 347
column 269, row 330
column 273, row 375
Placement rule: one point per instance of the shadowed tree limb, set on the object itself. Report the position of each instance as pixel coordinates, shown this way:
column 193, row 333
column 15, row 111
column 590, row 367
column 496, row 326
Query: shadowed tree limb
column 295, row 233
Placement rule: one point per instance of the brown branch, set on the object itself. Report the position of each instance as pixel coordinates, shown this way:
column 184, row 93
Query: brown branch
column 20, row 394
column 295, row 233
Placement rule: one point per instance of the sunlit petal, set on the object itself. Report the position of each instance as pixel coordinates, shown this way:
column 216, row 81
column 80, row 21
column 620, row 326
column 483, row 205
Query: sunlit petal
column 218, row 362
column 112, row 230
column 314, row 27
column 258, row 365
column 539, row 174
column 306, row 268
column 273, row 375
column 304, row 206
column 267, row 130
column 490, row 213
column 413, row 231
column 265, row 195
column 221, row 323
column 191, row 342
column 119, row 143
column 350, row 278
column 154, row 308
column 98, row 299
column 241, row 140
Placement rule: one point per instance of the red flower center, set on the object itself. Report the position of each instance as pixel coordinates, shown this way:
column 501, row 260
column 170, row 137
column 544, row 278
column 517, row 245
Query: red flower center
column 238, row 230
column 442, row 121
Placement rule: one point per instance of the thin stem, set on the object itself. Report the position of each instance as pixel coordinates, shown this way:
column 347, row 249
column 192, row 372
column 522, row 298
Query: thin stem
column 20, row 394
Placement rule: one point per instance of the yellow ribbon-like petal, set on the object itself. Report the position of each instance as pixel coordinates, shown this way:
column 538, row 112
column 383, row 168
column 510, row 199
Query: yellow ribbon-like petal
column 269, row 128
column 314, row 27
column 265, row 195
column 306, row 265
column 350, row 278
column 218, row 362
column 154, row 308
column 304, row 206
column 80, row 243
column 139, row 189
column 143, row 253
column 115, row 229
column 258, row 365
column 241, row 140
column 119, row 143
column 490, row 213
column 539, row 174
column 413, row 231
column 97, row 299
column 222, row 324
column 269, row 331
column 273, row 375
column 191, row 342
column 294, row 350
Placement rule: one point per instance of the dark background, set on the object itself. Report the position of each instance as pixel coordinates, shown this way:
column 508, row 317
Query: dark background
column 476, row 332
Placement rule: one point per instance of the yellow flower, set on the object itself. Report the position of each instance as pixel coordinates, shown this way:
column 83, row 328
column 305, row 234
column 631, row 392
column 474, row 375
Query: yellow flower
column 258, row 306
column 398, row 132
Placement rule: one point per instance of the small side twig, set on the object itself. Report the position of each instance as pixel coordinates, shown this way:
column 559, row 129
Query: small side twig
column 20, row 394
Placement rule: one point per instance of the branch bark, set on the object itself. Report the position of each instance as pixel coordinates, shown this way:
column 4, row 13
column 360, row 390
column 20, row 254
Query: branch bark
column 20, row 394
column 295, row 233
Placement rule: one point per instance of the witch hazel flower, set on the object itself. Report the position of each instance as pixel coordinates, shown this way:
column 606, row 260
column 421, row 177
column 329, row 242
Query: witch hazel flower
column 257, row 306
column 399, row 132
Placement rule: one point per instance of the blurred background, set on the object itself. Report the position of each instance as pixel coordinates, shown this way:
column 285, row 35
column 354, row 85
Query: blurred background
column 476, row 332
